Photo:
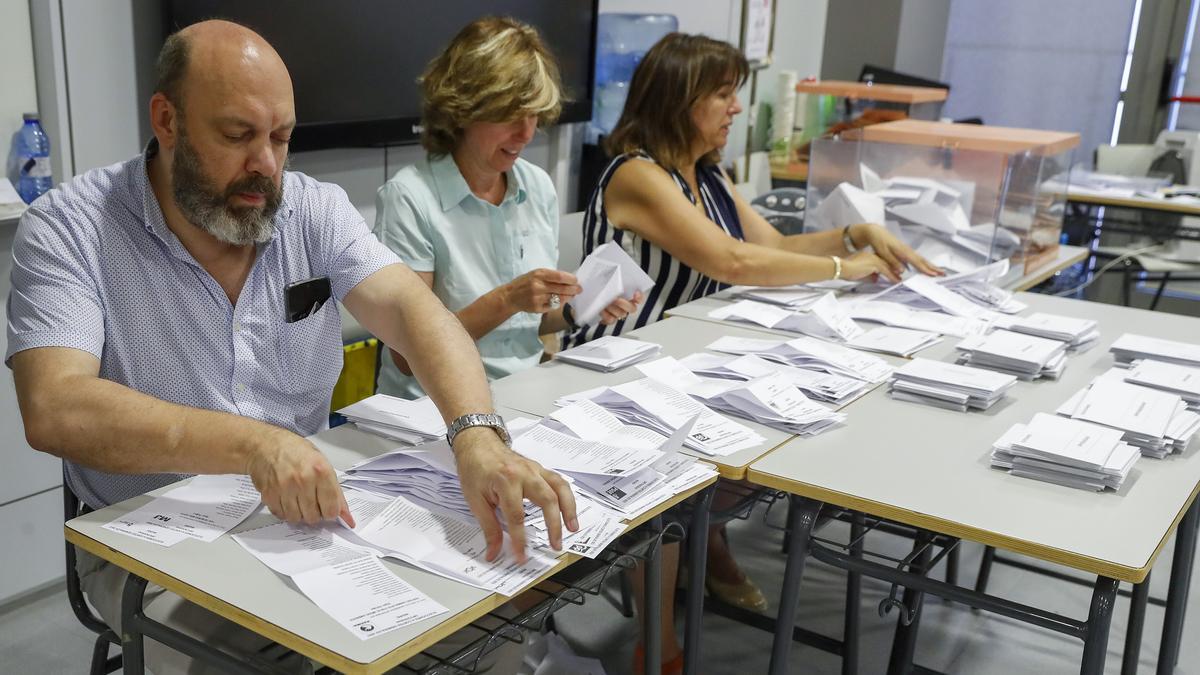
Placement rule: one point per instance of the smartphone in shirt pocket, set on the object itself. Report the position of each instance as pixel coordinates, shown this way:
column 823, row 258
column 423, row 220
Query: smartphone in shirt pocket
column 305, row 298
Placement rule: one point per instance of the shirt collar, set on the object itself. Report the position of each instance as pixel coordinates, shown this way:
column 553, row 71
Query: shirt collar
column 452, row 188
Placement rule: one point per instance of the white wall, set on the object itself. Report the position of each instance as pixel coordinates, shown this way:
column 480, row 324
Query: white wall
column 18, row 93
column 799, row 43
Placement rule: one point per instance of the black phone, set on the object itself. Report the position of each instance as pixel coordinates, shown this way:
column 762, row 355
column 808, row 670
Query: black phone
column 305, row 298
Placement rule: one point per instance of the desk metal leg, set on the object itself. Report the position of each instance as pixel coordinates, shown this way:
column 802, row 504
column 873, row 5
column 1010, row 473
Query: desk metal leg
column 803, row 515
column 1181, row 572
column 853, row 598
column 1133, row 635
column 133, row 646
column 1095, row 644
column 905, row 643
column 652, row 617
column 697, row 561
column 1162, row 286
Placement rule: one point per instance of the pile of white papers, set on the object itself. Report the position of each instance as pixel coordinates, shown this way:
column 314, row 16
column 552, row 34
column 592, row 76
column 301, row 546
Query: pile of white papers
column 949, row 385
column 799, row 297
column 1079, row 334
column 410, row 422
column 204, row 509
column 606, row 274
column 826, row 318
column 771, row 400
column 891, row 340
column 902, row 316
column 616, row 468
column 344, row 579
column 836, row 389
column 664, row 409
column 979, row 286
column 609, row 353
column 1157, row 422
column 1065, row 452
column 922, row 292
column 1182, row 381
column 805, row 352
column 1025, row 356
column 1130, row 347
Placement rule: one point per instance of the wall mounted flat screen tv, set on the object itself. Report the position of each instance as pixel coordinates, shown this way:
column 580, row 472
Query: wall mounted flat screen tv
column 354, row 63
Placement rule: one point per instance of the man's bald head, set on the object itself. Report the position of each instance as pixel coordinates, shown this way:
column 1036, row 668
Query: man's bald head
column 215, row 49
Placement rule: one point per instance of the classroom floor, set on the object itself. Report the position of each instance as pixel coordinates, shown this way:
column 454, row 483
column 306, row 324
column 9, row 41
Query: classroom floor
column 41, row 635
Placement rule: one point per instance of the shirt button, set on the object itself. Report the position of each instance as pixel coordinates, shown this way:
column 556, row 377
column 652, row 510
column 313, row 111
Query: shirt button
column 241, row 388
column 237, row 326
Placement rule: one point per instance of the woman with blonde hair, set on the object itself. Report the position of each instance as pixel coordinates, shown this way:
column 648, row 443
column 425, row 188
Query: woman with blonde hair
column 474, row 220
column 665, row 200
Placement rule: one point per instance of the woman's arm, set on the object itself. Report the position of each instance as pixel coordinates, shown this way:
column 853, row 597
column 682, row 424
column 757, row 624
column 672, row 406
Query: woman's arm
column 642, row 198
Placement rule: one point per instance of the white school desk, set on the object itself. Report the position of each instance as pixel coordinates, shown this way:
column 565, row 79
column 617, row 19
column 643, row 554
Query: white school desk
column 929, row 468
column 228, row 581
column 535, row 390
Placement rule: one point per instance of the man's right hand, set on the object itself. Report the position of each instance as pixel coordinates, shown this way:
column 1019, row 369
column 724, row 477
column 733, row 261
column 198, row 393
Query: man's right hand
column 297, row 483
column 531, row 291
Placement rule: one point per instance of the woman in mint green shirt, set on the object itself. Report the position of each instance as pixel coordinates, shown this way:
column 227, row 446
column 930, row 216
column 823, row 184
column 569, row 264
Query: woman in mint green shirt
column 474, row 220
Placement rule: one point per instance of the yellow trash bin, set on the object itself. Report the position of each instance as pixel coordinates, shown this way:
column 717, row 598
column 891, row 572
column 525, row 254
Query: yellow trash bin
column 360, row 362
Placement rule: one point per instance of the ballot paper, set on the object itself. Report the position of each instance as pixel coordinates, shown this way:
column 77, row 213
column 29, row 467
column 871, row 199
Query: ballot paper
column 979, row 286
column 806, row 352
column 847, row 205
column 448, row 545
column 1066, row 452
column 561, row 452
column 1079, row 334
column 901, row 316
column 409, row 421
column 658, row 406
column 891, row 340
column 770, row 399
column 1182, row 381
column 606, row 274
column 1026, row 356
column 205, row 508
column 947, row 300
column 949, row 385
column 1155, row 421
column 825, row 318
column 344, row 580
column 799, row 297
column 609, row 353
column 1130, row 347
column 836, row 389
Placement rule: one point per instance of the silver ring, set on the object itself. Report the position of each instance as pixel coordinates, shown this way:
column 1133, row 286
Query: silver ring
column 555, row 301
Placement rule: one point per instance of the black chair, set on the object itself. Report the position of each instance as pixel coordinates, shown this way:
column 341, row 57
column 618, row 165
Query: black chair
column 102, row 663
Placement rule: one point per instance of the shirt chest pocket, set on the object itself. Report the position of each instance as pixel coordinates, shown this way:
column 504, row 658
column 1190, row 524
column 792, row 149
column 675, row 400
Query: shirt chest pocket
column 311, row 352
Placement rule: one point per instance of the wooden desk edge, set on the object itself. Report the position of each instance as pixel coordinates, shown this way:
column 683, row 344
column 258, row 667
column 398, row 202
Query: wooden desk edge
column 312, row 650
column 1054, row 555
column 1050, row 269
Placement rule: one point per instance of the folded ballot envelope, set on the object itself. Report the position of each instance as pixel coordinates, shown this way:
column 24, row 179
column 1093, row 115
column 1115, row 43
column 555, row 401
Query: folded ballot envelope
column 606, row 274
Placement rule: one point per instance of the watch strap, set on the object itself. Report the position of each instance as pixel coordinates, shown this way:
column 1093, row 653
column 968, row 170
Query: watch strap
column 469, row 420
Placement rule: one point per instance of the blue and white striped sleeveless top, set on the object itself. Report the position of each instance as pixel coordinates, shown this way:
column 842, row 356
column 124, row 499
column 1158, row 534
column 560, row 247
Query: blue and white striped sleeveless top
column 674, row 282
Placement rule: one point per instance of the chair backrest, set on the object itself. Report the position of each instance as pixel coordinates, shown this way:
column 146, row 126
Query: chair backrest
column 570, row 241
column 72, row 508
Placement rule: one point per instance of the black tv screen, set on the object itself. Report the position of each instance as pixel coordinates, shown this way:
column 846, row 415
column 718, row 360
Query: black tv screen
column 354, row 63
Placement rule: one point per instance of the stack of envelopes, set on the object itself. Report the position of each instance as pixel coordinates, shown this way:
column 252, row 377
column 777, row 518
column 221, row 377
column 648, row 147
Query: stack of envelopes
column 1079, row 334
column 836, row 389
column 811, row 354
column 949, row 385
column 1130, row 347
column 1026, row 356
column 410, row 422
column 771, row 399
column 1065, row 452
column 608, row 353
column 664, row 409
column 897, row 341
column 1183, row 381
column 826, row 318
column 793, row 297
column 1156, row 421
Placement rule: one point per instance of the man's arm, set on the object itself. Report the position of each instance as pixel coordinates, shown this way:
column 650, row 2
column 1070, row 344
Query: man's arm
column 398, row 308
column 71, row 412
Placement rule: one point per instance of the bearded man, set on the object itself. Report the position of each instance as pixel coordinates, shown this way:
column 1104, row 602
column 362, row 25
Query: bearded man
column 150, row 333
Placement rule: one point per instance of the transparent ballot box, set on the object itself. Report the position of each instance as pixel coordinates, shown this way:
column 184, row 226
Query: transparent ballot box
column 831, row 106
column 963, row 195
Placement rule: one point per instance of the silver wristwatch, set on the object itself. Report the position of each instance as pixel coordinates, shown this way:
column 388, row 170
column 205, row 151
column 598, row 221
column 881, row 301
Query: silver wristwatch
column 469, row 420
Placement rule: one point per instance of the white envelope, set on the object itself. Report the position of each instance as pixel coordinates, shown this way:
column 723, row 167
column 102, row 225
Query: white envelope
column 606, row 274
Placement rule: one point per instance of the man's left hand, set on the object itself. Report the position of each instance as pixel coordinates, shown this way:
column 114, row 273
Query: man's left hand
column 493, row 476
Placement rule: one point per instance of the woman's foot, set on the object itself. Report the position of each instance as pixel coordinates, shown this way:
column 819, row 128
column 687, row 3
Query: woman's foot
column 744, row 593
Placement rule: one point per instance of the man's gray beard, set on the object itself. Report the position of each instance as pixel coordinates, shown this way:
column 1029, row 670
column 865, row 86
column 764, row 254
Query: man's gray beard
column 206, row 207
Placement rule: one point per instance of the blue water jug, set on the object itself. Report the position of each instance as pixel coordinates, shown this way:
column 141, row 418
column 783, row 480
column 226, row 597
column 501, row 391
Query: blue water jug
column 33, row 160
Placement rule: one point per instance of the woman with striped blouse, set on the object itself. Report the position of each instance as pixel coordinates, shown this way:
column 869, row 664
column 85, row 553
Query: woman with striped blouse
column 665, row 200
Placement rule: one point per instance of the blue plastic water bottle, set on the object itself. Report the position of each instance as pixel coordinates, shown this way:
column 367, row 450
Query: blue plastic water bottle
column 33, row 160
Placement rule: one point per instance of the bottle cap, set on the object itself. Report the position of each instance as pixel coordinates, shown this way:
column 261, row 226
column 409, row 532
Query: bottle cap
column 31, row 117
